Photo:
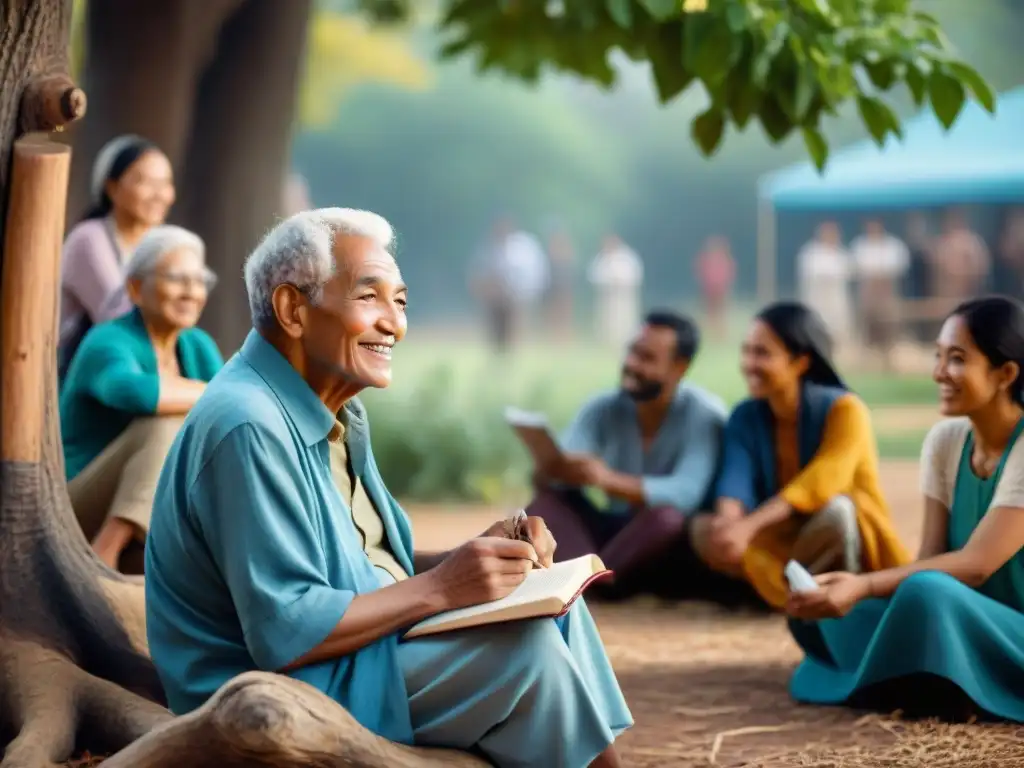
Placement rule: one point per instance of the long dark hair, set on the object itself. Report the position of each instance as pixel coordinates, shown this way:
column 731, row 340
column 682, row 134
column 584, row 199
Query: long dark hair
column 116, row 157
column 996, row 323
column 803, row 332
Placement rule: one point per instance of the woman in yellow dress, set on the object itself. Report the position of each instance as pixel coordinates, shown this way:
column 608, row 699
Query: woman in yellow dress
column 799, row 476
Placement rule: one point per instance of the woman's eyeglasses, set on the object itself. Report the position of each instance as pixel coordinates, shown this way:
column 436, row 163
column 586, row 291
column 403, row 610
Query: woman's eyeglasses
column 206, row 280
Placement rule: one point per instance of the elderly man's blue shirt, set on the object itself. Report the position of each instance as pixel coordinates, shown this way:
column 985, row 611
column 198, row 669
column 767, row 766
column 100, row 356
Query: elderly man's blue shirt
column 253, row 558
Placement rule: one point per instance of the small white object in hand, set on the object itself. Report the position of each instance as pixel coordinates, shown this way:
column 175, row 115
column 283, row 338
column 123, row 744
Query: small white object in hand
column 800, row 580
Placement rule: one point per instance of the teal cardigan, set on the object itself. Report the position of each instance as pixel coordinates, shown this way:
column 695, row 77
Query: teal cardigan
column 114, row 379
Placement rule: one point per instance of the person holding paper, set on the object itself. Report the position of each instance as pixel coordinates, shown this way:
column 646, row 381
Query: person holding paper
column 275, row 545
column 652, row 448
column 799, row 477
column 943, row 635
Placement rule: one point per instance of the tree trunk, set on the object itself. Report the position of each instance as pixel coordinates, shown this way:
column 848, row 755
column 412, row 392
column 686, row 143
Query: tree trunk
column 35, row 91
column 232, row 186
column 143, row 61
column 214, row 83
column 72, row 637
column 73, row 655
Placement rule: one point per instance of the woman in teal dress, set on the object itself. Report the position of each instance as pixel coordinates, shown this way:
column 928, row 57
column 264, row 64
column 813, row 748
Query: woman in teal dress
column 944, row 635
column 130, row 383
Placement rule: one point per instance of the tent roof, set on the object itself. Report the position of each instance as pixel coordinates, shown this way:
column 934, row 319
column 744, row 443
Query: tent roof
column 979, row 160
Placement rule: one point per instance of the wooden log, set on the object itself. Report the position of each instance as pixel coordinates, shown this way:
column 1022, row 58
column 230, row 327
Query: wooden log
column 51, row 102
column 261, row 719
column 30, row 275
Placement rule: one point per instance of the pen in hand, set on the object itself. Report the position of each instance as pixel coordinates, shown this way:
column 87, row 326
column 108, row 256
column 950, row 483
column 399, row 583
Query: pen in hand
column 515, row 528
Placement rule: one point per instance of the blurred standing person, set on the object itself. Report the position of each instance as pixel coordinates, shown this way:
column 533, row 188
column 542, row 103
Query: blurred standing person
column 921, row 245
column 823, row 274
column 131, row 191
column 510, row 277
column 918, row 282
column 962, row 261
column 716, row 273
column 1011, row 249
column 881, row 261
column 617, row 274
column 560, row 293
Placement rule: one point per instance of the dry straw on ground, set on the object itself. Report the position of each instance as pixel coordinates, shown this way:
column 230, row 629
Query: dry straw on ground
column 708, row 687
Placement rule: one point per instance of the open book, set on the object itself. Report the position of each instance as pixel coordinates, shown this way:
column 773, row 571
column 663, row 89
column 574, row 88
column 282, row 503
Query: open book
column 545, row 592
column 533, row 430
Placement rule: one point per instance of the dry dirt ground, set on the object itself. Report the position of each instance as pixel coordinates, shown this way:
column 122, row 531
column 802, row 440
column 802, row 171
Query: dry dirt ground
column 709, row 688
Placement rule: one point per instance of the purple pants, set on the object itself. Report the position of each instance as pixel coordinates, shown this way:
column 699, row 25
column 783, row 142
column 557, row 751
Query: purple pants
column 648, row 549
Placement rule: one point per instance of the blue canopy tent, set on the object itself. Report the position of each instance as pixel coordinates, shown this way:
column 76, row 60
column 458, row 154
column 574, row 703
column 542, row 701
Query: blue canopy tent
column 980, row 160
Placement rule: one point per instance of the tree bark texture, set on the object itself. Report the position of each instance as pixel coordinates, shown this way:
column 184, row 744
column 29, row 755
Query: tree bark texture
column 214, row 83
column 34, row 84
column 72, row 632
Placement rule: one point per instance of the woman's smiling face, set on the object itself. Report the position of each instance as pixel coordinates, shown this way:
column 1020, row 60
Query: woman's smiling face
column 966, row 377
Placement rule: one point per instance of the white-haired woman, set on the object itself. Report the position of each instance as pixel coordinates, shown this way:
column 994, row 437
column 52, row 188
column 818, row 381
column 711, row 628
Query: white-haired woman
column 132, row 190
column 131, row 383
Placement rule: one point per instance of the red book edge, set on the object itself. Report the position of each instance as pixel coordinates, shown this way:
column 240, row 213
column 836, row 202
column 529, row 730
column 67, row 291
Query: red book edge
column 599, row 575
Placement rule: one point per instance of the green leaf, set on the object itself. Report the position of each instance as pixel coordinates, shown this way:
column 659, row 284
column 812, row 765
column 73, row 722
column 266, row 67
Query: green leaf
column 777, row 125
column 947, row 96
column 763, row 61
column 970, row 77
column 804, row 95
column 889, row 7
column 621, row 12
column 879, row 119
column 736, row 17
column 819, row 8
column 456, row 47
column 710, row 49
column 708, row 129
column 662, row 10
column 741, row 97
column 816, row 145
column 882, row 73
column 917, row 84
column 665, row 52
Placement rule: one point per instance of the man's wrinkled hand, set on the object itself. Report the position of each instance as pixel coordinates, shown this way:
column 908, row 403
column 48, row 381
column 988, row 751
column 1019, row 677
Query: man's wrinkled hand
column 481, row 570
column 543, row 542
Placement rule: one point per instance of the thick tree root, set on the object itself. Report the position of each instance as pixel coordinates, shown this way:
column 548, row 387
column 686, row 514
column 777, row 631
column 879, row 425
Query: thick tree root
column 260, row 719
column 39, row 702
column 47, row 701
column 111, row 717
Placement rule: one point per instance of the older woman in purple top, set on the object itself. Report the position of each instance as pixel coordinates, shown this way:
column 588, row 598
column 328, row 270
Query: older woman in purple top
column 132, row 191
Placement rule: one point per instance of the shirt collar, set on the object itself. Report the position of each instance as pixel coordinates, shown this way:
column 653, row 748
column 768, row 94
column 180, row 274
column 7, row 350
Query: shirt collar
column 307, row 411
column 337, row 433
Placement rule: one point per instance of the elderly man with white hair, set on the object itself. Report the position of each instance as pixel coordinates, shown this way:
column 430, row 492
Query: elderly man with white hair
column 275, row 545
column 129, row 386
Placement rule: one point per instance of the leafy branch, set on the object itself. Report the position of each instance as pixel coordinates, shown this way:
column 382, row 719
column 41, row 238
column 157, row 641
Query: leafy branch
column 785, row 64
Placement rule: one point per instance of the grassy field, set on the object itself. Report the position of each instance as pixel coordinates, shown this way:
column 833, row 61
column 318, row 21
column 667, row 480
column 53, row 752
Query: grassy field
column 439, row 435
